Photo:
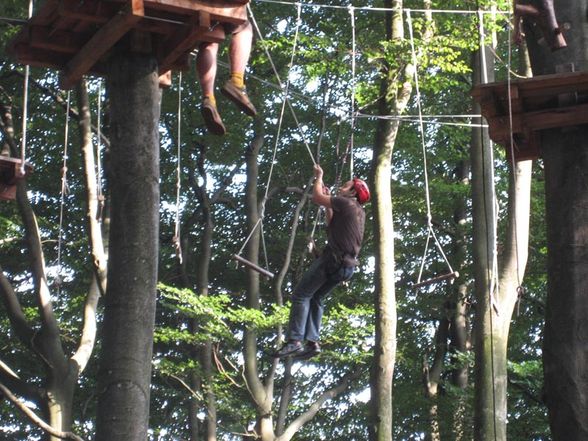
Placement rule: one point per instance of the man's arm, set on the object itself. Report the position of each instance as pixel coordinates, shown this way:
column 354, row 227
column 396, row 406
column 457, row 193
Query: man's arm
column 320, row 193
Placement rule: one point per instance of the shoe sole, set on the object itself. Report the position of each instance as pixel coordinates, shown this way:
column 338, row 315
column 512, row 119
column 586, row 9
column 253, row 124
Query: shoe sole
column 306, row 355
column 213, row 126
column 240, row 104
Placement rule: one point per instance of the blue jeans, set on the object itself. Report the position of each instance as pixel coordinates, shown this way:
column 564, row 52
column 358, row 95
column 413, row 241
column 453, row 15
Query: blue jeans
column 307, row 299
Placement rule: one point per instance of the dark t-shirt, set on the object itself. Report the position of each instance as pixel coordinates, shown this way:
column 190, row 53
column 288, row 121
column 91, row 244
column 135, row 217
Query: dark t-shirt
column 345, row 232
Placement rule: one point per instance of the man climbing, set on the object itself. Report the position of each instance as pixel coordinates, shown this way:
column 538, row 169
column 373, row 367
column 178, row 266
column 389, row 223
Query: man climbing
column 234, row 88
column 345, row 225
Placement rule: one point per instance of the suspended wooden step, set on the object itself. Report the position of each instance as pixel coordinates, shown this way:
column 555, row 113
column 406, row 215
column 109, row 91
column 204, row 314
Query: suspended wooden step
column 77, row 36
column 10, row 174
column 253, row 266
column 449, row 276
column 543, row 102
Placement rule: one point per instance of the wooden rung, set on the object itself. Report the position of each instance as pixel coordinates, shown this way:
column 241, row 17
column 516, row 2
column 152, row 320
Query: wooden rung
column 453, row 275
column 253, row 266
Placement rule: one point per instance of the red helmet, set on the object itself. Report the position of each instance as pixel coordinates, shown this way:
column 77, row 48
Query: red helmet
column 362, row 191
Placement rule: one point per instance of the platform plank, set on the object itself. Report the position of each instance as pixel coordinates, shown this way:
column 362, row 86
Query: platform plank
column 540, row 103
column 76, row 36
column 101, row 42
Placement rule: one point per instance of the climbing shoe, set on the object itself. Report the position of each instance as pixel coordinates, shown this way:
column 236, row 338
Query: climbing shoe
column 290, row 348
column 212, row 119
column 311, row 349
column 238, row 95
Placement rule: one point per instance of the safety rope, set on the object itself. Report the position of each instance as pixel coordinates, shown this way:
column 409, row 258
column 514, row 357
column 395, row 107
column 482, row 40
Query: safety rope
column 176, row 239
column 430, row 230
column 25, row 109
column 99, row 194
column 352, row 110
column 64, row 191
column 512, row 156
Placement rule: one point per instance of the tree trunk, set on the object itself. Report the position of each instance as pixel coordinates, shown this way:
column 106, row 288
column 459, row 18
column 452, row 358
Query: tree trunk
column 565, row 353
column 129, row 315
column 460, row 335
column 486, row 427
column 495, row 307
column 261, row 394
column 393, row 101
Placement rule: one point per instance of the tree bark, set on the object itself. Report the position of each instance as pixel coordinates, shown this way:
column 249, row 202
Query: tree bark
column 565, row 357
column 129, row 315
column 394, row 97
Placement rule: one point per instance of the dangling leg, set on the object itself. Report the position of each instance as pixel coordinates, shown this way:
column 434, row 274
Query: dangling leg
column 239, row 51
column 312, row 280
column 206, row 69
column 316, row 309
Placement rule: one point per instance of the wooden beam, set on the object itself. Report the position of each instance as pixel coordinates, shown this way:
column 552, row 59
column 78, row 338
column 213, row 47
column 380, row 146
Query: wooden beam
column 539, row 120
column 101, row 42
column 42, row 37
column 40, row 57
column 226, row 12
column 46, row 14
column 93, row 12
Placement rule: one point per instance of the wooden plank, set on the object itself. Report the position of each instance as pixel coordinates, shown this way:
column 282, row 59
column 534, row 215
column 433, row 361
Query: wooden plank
column 92, row 12
column 40, row 57
column 46, row 14
column 544, row 85
column 101, row 42
column 540, row 120
column 225, row 12
column 42, row 37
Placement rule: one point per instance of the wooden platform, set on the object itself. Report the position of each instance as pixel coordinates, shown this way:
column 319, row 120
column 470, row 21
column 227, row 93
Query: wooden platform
column 544, row 102
column 77, row 36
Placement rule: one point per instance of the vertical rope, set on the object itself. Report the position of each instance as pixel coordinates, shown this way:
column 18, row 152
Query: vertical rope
column 177, row 241
column 99, row 147
column 352, row 110
column 25, row 109
column 64, row 189
column 431, row 231
column 511, row 141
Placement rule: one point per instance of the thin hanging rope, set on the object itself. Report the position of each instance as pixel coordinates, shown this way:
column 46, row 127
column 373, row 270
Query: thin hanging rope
column 277, row 75
column 352, row 110
column 431, row 231
column 177, row 241
column 494, row 265
column 25, row 109
column 512, row 153
column 64, row 190
column 25, row 116
column 99, row 147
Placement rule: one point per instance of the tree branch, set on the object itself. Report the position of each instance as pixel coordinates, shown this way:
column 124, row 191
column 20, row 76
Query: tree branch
column 19, row 323
column 315, row 407
column 35, row 419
